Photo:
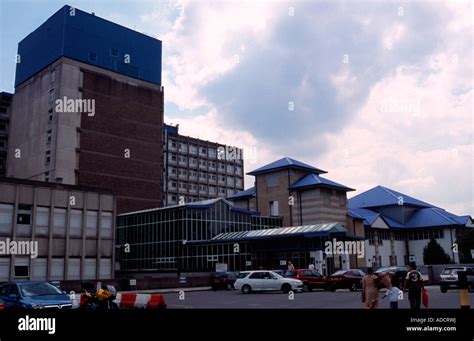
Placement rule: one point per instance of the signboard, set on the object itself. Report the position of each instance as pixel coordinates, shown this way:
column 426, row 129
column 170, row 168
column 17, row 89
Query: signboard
column 133, row 282
column 412, row 258
column 283, row 262
column 183, row 280
column 248, row 263
column 472, row 253
column 221, row 267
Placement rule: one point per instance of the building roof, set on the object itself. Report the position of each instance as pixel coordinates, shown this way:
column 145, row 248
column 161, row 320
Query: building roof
column 383, row 196
column 284, row 163
column 307, row 231
column 196, row 204
column 248, row 193
column 314, row 180
column 369, row 216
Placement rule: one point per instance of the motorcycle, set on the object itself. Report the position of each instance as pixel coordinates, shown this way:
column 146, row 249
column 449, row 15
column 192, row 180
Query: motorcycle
column 102, row 299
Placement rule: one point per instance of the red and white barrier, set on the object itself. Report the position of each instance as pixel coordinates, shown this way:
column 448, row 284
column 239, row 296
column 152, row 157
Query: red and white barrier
column 133, row 300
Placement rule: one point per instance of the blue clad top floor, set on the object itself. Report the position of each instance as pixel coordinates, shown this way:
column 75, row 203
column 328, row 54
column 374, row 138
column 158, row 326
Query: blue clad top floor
column 89, row 39
column 313, row 180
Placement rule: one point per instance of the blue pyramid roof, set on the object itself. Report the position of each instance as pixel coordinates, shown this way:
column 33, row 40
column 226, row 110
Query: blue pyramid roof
column 250, row 192
column 383, row 196
column 312, row 180
column 283, row 163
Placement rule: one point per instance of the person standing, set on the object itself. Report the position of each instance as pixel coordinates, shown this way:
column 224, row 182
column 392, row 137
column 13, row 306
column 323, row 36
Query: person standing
column 414, row 285
column 290, row 265
column 311, row 266
column 370, row 291
column 393, row 294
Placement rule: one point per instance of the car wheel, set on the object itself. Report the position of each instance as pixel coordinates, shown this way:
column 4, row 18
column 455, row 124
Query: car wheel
column 470, row 288
column 310, row 288
column 444, row 290
column 286, row 288
column 353, row 287
column 306, row 287
column 246, row 289
column 331, row 288
column 214, row 288
column 229, row 286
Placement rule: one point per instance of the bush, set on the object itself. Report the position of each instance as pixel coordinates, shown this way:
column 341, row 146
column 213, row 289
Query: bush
column 433, row 253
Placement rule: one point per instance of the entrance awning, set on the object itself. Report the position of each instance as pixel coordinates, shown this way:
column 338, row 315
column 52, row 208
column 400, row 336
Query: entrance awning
column 306, row 231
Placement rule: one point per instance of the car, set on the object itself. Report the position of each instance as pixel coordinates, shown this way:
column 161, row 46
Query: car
column 398, row 274
column 345, row 279
column 311, row 279
column 280, row 272
column 449, row 278
column 2, row 307
column 223, row 280
column 34, row 295
column 266, row 280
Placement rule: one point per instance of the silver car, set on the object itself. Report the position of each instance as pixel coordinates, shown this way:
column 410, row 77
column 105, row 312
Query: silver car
column 265, row 280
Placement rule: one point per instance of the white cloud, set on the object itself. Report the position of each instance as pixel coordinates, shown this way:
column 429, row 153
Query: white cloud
column 393, row 35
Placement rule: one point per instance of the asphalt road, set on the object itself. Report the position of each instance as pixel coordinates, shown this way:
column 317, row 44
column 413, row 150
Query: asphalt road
column 341, row 299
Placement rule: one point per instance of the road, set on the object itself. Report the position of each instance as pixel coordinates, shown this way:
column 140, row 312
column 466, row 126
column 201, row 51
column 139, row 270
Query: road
column 341, row 299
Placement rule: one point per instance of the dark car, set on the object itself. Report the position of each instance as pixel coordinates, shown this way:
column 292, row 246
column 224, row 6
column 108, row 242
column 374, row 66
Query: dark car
column 311, row 279
column 1, row 304
column 33, row 295
column 449, row 278
column 398, row 274
column 345, row 279
column 223, row 280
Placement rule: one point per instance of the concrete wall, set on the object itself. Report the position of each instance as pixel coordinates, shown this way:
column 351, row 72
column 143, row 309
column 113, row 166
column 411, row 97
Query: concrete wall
column 66, row 251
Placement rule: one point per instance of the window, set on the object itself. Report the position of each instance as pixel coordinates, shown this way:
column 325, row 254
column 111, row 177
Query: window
column 173, row 184
column 92, row 56
column 256, row 275
column 51, row 95
column 52, row 76
column 274, row 208
column 272, row 180
column 50, row 116
column 75, row 223
column 48, row 136
column 3, row 127
column 106, row 225
column 6, row 218
column 48, row 157
column 3, row 143
column 91, row 223
column 42, row 221
column 21, row 271
column 46, row 177
column 342, row 199
column 24, row 215
column 59, row 222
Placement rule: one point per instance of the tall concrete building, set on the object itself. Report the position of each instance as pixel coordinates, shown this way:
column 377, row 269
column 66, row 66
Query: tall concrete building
column 88, row 108
column 198, row 170
column 5, row 102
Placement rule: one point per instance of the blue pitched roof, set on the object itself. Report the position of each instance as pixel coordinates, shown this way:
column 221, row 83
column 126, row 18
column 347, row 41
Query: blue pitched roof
column 383, row 196
column 250, row 192
column 369, row 216
column 286, row 162
column 431, row 216
column 312, row 180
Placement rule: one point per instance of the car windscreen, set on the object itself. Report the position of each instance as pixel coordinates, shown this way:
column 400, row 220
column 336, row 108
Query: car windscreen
column 290, row 273
column 243, row 274
column 38, row 289
column 275, row 274
column 452, row 271
column 339, row 273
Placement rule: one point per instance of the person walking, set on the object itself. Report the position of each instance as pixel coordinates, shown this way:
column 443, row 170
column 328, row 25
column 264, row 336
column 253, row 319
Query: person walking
column 414, row 284
column 311, row 266
column 290, row 265
column 393, row 294
column 370, row 291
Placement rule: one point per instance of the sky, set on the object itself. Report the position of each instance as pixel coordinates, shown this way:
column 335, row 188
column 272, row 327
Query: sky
column 375, row 93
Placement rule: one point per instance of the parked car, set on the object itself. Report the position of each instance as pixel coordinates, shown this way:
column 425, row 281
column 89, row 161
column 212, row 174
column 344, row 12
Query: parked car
column 249, row 281
column 33, row 295
column 1, row 304
column 280, row 272
column 449, row 278
column 223, row 280
column 311, row 279
column 424, row 270
column 399, row 273
column 345, row 279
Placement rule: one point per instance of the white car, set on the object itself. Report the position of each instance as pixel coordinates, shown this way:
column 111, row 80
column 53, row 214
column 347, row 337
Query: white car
column 249, row 281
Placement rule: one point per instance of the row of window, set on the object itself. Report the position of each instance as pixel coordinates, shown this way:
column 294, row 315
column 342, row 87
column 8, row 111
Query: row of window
column 204, row 177
column 222, row 153
column 194, row 162
column 412, row 235
column 59, row 223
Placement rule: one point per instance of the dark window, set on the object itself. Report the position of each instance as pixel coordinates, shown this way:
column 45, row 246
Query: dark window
column 4, row 290
column 256, row 275
column 21, row 271
column 13, row 289
column 23, row 218
column 3, row 127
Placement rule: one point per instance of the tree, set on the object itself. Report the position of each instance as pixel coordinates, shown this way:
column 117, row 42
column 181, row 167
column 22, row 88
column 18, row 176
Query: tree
column 433, row 253
column 465, row 241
